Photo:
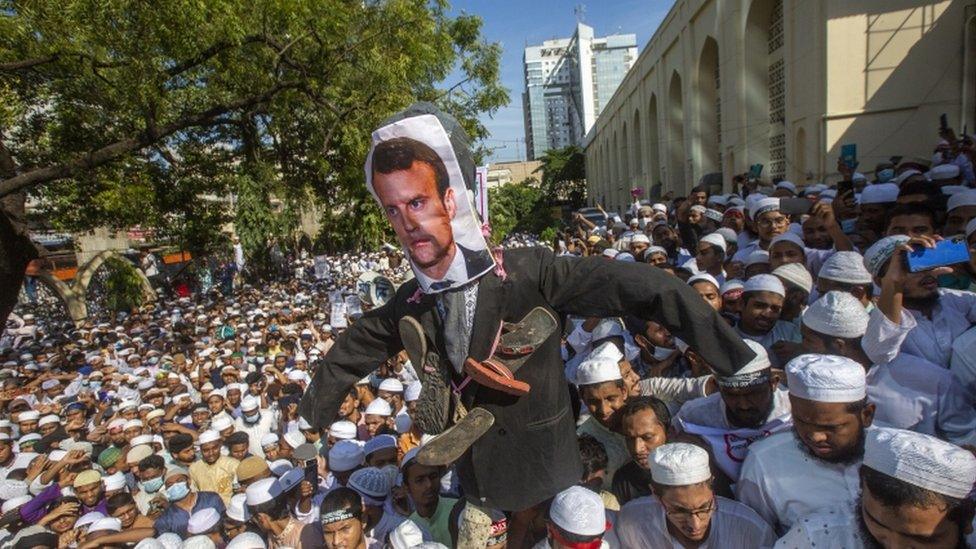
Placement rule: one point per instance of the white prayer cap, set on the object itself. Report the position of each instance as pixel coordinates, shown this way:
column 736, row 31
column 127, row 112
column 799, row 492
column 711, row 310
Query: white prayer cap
column 106, row 524
column 379, row 407
column 961, row 199
column 345, row 455
column 790, row 237
column 150, row 543
column 392, row 385
column 732, row 285
column 703, row 277
column 640, row 238
column 247, row 540
column 881, row 251
column 304, row 425
column 296, row 375
column 764, row 283
column 943, row 172
column 294, row 439
column 755, row 257
column 762, row 206
column 50, row 418
column 796, row 274
column 10, row 489
column 88, row 518
column 48, row 384
column 787, row 185
column 279, row 467
column 237, row 509
column 222, row 422
column 371, row 482
column 597, row 369
column 379, row 442
column 755, row 372
column 406, row 536
column 249, row 403
column 971, row 227
column 879, row 193
column 837, row 314
column 679, row 464
column 714, row 215
column 115, row 481
column 728, row 234
column 845, row 267
column 343, row 430
column 655, row 250
column 170, row 540
column 610, row 252
column 608, row 327
column 132, row 424
column 203, row 520
column 921, row 460
column 826, row 378
column 263, row 490
column 268, row 439
column 208, row 436
column 198, row 542
column 714, row 239
column 412, row 392
column 29, row 415
column 579, row 511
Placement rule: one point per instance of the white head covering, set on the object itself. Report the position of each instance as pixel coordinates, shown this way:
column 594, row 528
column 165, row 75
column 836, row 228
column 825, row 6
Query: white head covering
column 294, row 439
column 579, row 511
column 796, row 274
column 826, row 378
column 237, row 509
column 198, row 542
column 345, row 455
column 879, row 193
column 371, row 482
column 14, row 503
column 881, row 251
column 115, row 481
column 640, row 238
column 412, row 392
column 10, row 489
column 222, row 422
column 714, row 239
column 765, row 283
column 598, row 367
column 679, row 464
column 392, row 385
column 845, row 267
column 263, row 490
column 754, row 373
column 921, row 460
column 110, row 524
column 249, row 403
column 787, row 185
column 961, row 199
column 268, row 439
column 762, row 206
column 943, row 172
column 837, row 314
column 247, row 540
column 406, row 536
column 379, row 442
column 608, row 327
column 756, row 256
column 208, row 436
column 379, row 407
column 203, row 520
column 343, row 430
column 790, row 237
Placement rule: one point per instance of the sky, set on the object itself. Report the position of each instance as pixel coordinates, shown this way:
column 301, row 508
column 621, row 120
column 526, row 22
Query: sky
column 517, row 23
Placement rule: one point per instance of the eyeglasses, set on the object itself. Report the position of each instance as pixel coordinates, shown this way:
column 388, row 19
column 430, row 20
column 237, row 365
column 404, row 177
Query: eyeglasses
column 685, row 515
column 771, row 221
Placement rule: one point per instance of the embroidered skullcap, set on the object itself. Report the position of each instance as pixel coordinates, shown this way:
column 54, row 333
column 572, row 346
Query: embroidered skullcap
column 845, row 267
column 881, row 251
column 755, row 372
column 412, row 392
column 150, row 543
column 251, row 467
column 714, row 239
column 263, row 490
column 379, row 442
column 84, row 478
column 109, row 456
column 202, row 521
column 345, row 455
column 762, row 206
column 826, row 378
column 247, row 540
column 764, row 283
column 756, row 257
column 222, row 422
column 787, row 185
column 837, row 314
column 714, row 215
column 343, row 430
column 170, row 540
column 392, row 385
column 698, row 208
column 679, row 464
column 703, row 277
column 106, row 524
column 732, row 285
column 961, row 199
column 640, row 238
column 879, row 193
column 790, row 237
column 379, row 407
column 921, row 460
column 597, row 368
column 625, row 256
column 371, row 483
column 579, row 511
column 796, row 274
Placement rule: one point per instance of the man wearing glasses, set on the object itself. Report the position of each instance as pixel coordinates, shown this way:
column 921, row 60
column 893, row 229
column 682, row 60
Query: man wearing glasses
column 684, row 510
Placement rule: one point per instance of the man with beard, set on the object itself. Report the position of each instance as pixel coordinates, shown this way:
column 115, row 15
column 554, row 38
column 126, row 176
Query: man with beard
column 789, row 475
column 749, row 406
column 684, row 510
column 603, row 391
column 762, row 304
column 256, row 423
column 644, row 423
column 914, row 315
column 914, row 493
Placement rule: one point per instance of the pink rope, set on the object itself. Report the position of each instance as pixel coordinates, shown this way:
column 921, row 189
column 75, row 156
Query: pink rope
column 497, row 252
column 415, row 298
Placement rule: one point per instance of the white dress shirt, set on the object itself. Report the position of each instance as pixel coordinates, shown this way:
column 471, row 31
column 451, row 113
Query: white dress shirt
column 834, row 528
column 781, row 482
column 643, row 523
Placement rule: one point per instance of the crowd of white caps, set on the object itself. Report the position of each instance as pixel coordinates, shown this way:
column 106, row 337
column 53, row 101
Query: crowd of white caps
column 177, row 425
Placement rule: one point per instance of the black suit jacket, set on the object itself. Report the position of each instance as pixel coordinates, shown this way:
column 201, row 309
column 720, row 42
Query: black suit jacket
column 475, row 263
column 530, row 453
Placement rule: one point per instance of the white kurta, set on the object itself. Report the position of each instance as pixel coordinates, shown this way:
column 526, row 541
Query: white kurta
column 919, row 336
column 782, row 331
column 827, row 529
column 781, row 482
column 643, row 523
column 912, row 393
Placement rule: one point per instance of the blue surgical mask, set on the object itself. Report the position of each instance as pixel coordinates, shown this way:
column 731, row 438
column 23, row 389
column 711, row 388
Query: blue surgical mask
column 177, row 491
column 886, row 175
column 251, row 418
column 152, row 485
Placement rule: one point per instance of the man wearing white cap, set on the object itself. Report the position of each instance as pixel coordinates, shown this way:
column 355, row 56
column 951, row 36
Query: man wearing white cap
column 875, row 201
column 790, row 474
column 749, row 406
column 707, row 287
column 914, row 493
column 602, row 390
column 577, row 519
column 959, row 210
column 911, row 392
column 845, row 272
column 762, row 303
column 215, row 472
column 684, row 510
column 798, row 283
column 379, row 418
column 914, row 315
column 268, row 503
column 710, row 256
column 255, row 422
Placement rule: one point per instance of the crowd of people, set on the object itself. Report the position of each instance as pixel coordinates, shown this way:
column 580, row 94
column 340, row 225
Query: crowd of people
column 177, row 425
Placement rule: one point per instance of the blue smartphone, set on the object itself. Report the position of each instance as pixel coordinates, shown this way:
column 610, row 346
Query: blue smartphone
column 950, row 251
column 848, row 153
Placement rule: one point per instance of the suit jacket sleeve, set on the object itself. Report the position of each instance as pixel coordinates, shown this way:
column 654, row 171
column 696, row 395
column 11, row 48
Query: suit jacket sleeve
column 595, row 286
column 356, row 353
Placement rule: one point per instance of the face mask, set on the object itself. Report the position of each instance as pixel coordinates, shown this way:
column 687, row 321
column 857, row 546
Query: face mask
column 886, row 175
column 662, row 353
column 177, row 491
column 152, row 485
column 251, row 418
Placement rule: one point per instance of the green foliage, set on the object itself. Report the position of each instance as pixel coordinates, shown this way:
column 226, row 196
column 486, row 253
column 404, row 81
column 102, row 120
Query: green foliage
column 519, row 207
column 123, row 286
column 564, row 176
column 156, row 113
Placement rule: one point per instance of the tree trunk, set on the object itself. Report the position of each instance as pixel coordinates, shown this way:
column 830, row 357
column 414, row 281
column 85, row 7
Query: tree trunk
column 16, row 251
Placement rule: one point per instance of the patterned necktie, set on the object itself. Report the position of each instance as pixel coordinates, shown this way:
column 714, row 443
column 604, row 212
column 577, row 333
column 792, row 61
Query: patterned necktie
column 441, row 285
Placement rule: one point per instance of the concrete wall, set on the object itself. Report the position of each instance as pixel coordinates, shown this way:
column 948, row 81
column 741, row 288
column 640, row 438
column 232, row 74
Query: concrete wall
column 876, row 73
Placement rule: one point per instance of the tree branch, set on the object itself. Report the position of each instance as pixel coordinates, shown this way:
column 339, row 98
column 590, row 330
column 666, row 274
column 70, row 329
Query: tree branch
column 113, row 151
column 13, row 66
column 209, row 53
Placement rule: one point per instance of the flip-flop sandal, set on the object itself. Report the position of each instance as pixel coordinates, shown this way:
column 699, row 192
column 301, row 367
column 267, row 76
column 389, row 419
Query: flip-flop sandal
column 449, row 446
column 495, row 375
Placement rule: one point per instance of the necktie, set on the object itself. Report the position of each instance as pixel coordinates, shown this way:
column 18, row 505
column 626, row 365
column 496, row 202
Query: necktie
column 441, row 285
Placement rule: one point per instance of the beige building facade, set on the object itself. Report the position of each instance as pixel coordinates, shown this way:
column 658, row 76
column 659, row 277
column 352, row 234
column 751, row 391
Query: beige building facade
column 504, row 173
column 724, row 84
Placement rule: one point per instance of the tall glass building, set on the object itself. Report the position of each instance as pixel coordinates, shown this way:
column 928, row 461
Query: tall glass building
column 567, row 83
